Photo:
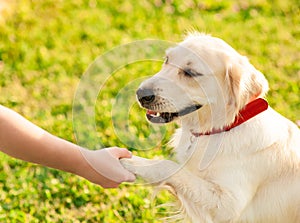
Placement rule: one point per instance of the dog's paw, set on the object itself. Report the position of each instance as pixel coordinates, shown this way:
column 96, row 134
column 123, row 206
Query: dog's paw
column 133, row 164
column 153, row 171
column 138, row 165
column 128, row 164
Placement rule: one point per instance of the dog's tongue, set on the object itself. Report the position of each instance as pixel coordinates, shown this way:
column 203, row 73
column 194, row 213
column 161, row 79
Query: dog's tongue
column 149, row 112
column 154, row 117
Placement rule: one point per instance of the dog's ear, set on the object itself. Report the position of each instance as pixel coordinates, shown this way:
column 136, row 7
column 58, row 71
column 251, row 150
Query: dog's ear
column 233, row 79
column 245, row 82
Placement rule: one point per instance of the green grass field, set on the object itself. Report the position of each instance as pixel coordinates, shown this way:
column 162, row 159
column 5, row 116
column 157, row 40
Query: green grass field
column 45, row 47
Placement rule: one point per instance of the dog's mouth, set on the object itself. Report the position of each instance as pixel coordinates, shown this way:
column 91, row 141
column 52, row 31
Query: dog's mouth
column 165, row 117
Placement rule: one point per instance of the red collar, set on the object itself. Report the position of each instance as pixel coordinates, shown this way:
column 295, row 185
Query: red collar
column 249, row 111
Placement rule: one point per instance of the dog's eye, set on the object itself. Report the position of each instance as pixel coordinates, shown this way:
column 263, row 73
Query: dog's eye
column 166, row 60
column 190, row 73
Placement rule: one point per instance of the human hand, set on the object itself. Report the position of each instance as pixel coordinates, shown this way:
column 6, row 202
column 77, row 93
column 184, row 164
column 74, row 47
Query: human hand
column 104, row 167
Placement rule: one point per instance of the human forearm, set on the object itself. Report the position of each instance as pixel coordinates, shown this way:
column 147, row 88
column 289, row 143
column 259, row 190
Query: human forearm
column 24, row 140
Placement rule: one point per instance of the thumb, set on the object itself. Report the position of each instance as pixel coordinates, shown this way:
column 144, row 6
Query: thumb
column 119, row 153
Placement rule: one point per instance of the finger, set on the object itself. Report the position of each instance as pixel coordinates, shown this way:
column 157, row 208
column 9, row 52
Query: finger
column 123, row 153
column 130, row 177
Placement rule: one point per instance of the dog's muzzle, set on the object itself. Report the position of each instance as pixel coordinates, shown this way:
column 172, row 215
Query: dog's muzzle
column 147, row 97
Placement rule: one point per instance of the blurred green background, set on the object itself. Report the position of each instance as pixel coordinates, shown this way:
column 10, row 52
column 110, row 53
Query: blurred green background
column 45, row 47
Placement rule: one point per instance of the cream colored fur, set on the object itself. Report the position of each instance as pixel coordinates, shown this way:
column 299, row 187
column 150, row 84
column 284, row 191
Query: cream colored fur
column 248, row 174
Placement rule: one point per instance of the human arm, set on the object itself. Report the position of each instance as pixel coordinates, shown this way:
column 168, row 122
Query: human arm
column 22, row 139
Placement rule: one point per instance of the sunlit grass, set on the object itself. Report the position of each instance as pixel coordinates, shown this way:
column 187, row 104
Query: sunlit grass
column 45, row 47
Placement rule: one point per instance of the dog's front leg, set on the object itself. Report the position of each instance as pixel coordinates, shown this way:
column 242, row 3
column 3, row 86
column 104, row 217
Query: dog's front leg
column 185, row 186
column 203, row 201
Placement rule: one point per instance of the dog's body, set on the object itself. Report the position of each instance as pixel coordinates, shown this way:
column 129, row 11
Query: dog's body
column 250, row 173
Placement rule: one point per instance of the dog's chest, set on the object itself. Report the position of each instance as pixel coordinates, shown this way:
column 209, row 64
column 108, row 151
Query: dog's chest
column 196, row 153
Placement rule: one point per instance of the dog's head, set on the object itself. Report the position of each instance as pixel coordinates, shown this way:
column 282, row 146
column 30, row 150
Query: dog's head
column 202, row 74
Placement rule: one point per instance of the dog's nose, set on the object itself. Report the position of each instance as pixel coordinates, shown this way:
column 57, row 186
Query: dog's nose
column 145, row 96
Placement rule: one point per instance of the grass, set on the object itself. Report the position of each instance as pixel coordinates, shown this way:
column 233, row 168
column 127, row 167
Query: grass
column 45, row 47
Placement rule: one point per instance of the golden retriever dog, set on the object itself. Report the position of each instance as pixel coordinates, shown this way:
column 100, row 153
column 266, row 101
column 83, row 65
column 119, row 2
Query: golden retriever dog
column 237, row 159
